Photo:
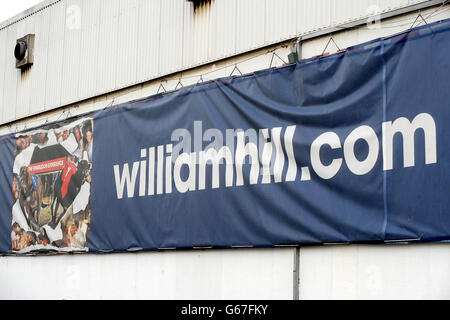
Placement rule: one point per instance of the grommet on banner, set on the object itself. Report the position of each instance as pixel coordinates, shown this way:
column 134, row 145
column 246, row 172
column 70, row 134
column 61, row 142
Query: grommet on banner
column 273, row 55
column 328, row 43
column 235, row 68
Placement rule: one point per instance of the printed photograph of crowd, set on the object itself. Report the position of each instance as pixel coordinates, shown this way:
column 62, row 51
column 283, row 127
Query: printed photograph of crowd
column 51, row 185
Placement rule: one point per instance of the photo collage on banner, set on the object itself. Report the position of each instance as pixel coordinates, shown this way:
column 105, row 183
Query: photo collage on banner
column 52, row 187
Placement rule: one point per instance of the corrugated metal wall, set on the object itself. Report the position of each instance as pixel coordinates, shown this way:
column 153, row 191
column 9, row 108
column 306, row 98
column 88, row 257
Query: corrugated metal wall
column 86, row 48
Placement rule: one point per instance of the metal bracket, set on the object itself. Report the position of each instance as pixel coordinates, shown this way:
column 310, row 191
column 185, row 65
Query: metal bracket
column 296, row 51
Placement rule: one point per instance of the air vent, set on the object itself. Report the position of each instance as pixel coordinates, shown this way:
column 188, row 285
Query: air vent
column 24, row 51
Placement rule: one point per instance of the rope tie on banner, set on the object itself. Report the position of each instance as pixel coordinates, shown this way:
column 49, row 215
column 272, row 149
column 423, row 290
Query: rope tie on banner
column 435, row 12
column 61, row 114
column 274, row 54
column 417, row 18
column 235, row 68
column 109, row 105
column 179, row 84
column 161, row 86
column 328, row 43
column 199, row 81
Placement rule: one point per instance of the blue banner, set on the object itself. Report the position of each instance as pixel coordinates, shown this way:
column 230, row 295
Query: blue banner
column 351, row 147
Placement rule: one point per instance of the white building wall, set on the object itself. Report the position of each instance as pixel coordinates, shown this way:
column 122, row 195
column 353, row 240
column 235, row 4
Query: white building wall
column 246, row 62
column 86, row 48
column 375, row 272
column 326, row 272
column 337, row 272
column 201, row 274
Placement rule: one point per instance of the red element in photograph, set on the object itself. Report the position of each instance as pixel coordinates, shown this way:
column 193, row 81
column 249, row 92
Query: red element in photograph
column 47, row 166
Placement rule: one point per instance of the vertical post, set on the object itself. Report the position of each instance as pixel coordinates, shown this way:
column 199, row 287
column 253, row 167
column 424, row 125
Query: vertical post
column 296, row 51
column 298, row 48
column 296, row 274
column 296, row 55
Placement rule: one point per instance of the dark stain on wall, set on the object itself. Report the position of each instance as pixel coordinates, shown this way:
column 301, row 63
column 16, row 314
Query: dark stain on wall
column 200, row 3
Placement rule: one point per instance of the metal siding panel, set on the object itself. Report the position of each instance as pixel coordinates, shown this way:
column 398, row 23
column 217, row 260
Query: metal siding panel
column 25, row 76
column 188, row 34
column 196, row 34
column 397, row 4
column 242, row 24
column 201, row 41
column 358, row 9
column 148, row 43
column 90, row 51
column 56, row 56
column 323, row 15
column 301, row 17
column 122, row 42
column 171, row 41
column 208, row 29
column 347, row 10
column 415, row 1
column 3, row 53
column 212, row 30
column 226, row 28
column 340, row 11
column 313, row 15
column 11, row 76
column 126, row 63
column 71, row 61
column 280, row 20
column 108, row 39
column 250, row 24
column 41, row 44
column 289, row 21
column 272, row 20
